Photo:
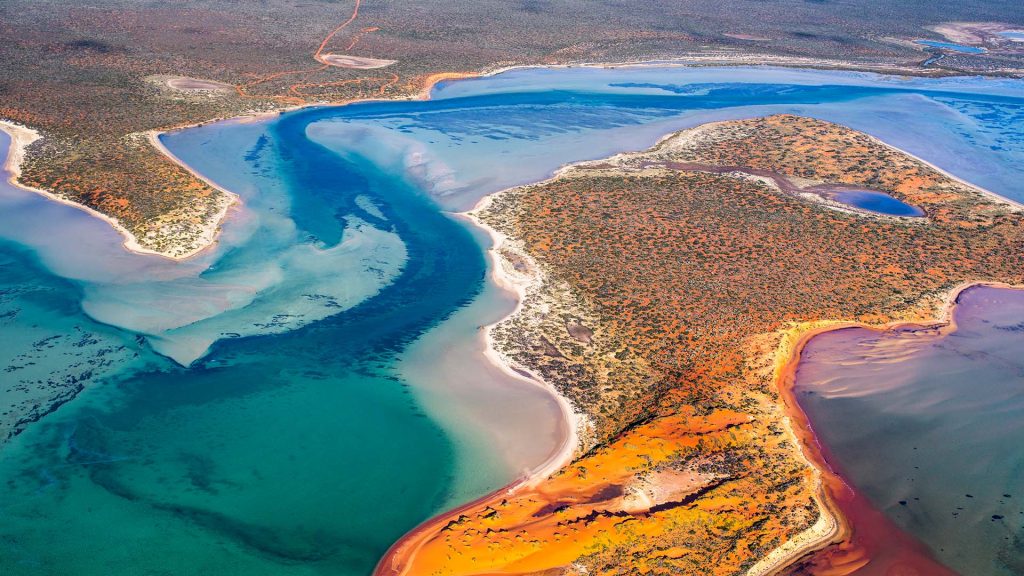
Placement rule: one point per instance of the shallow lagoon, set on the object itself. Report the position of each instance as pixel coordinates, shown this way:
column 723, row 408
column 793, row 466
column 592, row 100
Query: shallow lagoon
column 949, row 412
column 296, row 439
column 954, row 47
column 877, row 202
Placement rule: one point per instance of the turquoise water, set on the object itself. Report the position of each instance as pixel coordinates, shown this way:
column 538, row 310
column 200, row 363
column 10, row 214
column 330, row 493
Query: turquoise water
column 295, row 399
column 876, row 202
column 954, row 47
column 300, row 452
column 949, row 412
column 49, row 349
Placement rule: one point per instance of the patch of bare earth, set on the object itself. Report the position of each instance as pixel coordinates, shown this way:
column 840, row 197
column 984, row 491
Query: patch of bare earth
column 357, row 62
column 186, row 84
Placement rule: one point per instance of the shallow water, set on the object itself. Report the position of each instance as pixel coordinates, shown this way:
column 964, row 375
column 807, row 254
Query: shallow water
column 953, row 47
column 878, row 202
column 334, row 393
column 301, row 452
column 931, row 427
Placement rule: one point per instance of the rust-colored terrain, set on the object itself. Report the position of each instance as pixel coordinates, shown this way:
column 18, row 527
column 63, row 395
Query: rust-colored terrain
column 669, row 304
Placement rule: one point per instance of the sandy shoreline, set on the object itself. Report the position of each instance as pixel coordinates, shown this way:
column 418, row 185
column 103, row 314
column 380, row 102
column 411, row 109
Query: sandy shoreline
column 990, row 195
column 831, row 527
column 21, row 137
column 520, row 285
column 211, row 231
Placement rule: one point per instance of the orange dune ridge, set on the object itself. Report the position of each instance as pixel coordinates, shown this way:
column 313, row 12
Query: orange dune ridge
column 537, row 529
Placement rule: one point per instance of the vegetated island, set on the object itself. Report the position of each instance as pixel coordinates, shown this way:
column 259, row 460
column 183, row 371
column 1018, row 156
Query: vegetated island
column 669, row 311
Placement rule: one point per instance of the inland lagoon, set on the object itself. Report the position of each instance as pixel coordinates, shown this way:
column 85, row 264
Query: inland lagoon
column 296, row 398
column 877, row 202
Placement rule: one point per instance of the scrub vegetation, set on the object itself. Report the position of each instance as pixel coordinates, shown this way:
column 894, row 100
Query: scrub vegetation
column 693, row 286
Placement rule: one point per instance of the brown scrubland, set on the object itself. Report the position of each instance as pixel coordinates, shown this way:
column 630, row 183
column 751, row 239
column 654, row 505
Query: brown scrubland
column 78, row 72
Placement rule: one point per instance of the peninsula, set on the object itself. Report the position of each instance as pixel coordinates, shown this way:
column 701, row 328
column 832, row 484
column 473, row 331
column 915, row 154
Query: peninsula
column 670, row 311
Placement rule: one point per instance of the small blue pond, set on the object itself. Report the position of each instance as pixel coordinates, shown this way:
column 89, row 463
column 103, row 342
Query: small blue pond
column 878, row 202
column 1013, row 34
column 951, row 46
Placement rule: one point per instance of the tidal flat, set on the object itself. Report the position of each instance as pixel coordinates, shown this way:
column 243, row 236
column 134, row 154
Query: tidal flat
column 289, row 371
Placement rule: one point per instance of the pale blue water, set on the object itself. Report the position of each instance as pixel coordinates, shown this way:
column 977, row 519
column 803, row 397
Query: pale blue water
column 1013, row 34
column 954, row 47
column 315, row 334
column 876, row 202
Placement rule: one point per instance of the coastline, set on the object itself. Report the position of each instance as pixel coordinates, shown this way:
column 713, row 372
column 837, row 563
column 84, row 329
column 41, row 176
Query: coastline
column 831, row 526
column 211, row 230
column 988, row 194
column 21, row 137
column 834, row 527
column 572, row 421
column 521, row 286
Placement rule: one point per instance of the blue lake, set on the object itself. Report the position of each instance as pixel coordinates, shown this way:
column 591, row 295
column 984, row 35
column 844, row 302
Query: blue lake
column 954, row 47
column 293, row 400
column 876, row 202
